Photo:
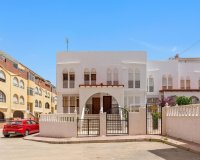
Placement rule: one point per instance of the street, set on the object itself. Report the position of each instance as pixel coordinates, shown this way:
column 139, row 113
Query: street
column 15, row 148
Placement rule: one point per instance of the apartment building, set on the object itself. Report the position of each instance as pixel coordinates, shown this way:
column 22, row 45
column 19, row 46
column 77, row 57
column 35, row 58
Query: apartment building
column 94, row 82
column 22, row 91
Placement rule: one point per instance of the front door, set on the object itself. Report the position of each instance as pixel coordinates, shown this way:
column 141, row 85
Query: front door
column 107, row 103
column 95, row 105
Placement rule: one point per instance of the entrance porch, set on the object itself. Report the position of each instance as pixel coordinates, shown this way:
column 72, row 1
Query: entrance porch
column 99, row 103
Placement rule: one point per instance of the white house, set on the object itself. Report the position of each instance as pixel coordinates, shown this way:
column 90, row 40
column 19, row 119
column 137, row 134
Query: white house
column 174, row 77
column 94, row 82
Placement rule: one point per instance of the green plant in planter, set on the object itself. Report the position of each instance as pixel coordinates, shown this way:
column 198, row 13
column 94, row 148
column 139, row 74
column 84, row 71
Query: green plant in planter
column 155, row 117
column 182, row 100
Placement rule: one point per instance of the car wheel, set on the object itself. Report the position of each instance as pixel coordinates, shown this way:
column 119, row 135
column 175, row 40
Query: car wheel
column 26, row 133
column 6, row 135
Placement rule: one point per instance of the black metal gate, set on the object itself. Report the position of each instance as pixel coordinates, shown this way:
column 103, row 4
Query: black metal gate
column 88, row 127
column 153, row 119
column 117, row 121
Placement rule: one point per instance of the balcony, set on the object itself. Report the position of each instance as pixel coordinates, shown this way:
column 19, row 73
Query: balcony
column 116, row 84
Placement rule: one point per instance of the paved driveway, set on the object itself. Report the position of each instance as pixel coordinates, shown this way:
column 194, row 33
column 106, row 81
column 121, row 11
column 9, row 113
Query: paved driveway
column 19, row 149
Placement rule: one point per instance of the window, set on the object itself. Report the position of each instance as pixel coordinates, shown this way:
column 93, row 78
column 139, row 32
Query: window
column 130, row 79
column 47, row 105
column 33, row 122
column 109, row 77
column 137, row 78
column 21, row 100
column 116, row 78
column 30, row 91
column 36, row 103
column 151, row 84
column 36, row 91
column 164, row 82
column 72, row 101
column 31, row 77
column 93, row 77
column 170, row 82
column 40, row 92
column 86, row 77
column 15, row 99
column 15, row 82
column 182, row 83
column 188, row 83
column 2, row 76
column 65, row 79
column 21, row 84
column 71, row 79
column 15, row 65
column 28, row 122
column 2, row 97
column 40, row 104
column 65, row 102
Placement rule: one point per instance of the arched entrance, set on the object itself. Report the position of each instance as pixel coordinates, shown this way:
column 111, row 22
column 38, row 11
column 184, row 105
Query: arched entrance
column 2, row 118
column 100, row 102
column 18, row 114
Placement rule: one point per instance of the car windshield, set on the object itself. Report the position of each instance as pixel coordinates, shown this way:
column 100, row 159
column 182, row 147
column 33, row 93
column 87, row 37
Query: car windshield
column 14, row 122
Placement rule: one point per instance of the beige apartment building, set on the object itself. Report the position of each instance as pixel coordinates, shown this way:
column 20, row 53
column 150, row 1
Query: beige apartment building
column 23, row 92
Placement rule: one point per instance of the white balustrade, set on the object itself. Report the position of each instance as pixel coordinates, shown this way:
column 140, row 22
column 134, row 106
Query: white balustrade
column 186, row 110
column 58, row 117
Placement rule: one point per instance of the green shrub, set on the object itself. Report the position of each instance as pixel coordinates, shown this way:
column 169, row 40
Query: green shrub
column 182, row 100
column 155, row 117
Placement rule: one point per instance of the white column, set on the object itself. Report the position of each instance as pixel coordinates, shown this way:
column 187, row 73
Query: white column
column 59, row 103
column 101, row 103
column 68, row 110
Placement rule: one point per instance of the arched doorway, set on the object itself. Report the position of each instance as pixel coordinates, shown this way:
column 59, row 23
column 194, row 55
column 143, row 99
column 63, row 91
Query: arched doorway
column 18, row 114
column 100, row 102
column 2, row 118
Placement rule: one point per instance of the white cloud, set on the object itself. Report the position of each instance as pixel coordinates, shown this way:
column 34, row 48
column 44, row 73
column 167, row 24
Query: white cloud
column 174, row 49
column 149, row 45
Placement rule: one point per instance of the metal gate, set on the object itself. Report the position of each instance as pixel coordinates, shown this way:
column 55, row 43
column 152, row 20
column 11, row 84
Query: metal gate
column 88, row 127
column 153, row 119
column 117, row 121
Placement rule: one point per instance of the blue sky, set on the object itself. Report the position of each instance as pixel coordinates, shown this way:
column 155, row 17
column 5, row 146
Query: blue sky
column 33, row 31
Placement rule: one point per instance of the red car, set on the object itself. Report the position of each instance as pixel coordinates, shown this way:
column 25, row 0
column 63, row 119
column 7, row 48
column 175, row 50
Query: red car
column 20, row 127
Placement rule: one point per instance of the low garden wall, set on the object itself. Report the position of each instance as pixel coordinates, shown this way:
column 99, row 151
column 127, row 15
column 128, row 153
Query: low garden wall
column 58, row 125
column 183, row 122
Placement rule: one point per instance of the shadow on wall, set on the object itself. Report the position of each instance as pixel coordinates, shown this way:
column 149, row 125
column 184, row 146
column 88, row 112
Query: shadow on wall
column 174, row 153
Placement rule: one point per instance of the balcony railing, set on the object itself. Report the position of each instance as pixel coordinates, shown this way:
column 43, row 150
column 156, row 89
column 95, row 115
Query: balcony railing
column 109, row 82
column 72, row 84
column 115, row 82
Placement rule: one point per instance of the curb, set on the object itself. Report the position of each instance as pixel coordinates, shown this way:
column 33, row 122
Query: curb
column 162, row 140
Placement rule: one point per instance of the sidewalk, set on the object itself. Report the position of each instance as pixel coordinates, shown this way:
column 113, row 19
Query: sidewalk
column 193, row 147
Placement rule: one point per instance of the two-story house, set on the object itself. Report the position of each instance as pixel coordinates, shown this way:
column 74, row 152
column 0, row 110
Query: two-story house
column 94, row 82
